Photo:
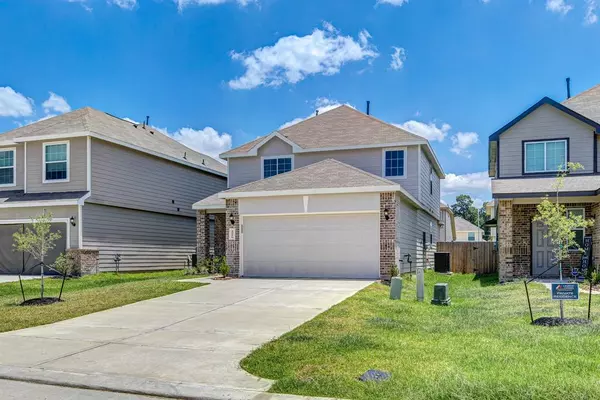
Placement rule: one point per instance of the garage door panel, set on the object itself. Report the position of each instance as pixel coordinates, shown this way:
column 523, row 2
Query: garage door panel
column 319, row 246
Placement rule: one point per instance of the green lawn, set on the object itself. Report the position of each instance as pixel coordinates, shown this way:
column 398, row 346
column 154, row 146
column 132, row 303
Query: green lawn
column 84, row 296
column 481, row 347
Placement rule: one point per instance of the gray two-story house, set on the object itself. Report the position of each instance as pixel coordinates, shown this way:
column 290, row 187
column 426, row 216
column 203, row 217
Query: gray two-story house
column 113, row 187
column 339, row 195
column 525, row 156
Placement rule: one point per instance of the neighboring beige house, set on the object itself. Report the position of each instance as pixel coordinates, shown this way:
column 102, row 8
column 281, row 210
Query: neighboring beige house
column 113, row 187
column 491, row 222
column 446, row 224
column 340, row 195
column 524, row 158
column 467, row 232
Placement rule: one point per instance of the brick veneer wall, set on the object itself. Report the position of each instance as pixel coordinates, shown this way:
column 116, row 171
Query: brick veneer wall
column 220, row 234
column 505, row 240
column 387, row 234
column 86, row 261
column 202, row 235
column 233, row 245
column 514, row 239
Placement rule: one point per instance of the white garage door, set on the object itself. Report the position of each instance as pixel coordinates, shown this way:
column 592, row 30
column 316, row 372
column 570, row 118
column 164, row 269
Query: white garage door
column 312, row 246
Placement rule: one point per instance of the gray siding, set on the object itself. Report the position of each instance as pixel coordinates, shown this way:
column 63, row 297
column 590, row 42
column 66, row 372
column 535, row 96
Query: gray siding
column 145, row 240
column 546, row 123
column 445, row 231
column 77, row 167
column 20, row 167
column 248, row 169
column 425, row 258
column 406, row 241
column 427, row 199
column 127, row 178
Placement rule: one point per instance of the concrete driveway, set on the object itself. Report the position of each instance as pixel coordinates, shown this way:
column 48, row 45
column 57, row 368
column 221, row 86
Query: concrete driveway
column 188, row 344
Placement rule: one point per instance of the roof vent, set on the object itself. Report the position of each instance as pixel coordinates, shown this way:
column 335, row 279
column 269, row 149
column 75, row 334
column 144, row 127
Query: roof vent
column 368, row 107
column 135, row 125
column 316, row 113
column 203, row 163
column 185, row 155
column 568, row 88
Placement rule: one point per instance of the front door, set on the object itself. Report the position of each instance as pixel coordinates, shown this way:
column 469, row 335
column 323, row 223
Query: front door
column 542, row 257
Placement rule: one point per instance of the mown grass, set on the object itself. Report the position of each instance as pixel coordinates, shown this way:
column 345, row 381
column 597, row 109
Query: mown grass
column 481, row 347
column 84, row 296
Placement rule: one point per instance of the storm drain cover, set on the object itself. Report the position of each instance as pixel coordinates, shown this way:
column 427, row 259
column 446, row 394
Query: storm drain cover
column 374, row 375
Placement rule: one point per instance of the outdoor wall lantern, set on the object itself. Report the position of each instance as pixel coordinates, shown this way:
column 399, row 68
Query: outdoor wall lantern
column 72, row 220
column 386, row 214
column 232, row 219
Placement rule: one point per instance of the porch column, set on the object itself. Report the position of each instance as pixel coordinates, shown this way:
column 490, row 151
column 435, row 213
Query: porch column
column 220, row 234
column 387, row 234
column 595, row 231
column 505, row 240
column 232, row 232
column 202, row 235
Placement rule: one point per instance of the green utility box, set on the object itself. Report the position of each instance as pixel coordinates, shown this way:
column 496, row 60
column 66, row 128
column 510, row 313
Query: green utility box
column 396, row 288
column 441, row 296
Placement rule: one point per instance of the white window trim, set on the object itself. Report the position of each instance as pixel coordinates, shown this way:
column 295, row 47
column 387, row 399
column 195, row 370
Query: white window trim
column 262, row 163
column 582, row 209
column 545, row 142
column 46, row 144
column 383, row 151
column 14, row 167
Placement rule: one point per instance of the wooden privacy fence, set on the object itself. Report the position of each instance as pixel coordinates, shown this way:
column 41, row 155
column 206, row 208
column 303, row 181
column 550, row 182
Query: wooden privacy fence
column 471, row 257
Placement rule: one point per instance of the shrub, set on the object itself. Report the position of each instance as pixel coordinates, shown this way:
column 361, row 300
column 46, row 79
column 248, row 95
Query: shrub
column 394, row 271
column 65, row 265
column 223, row 268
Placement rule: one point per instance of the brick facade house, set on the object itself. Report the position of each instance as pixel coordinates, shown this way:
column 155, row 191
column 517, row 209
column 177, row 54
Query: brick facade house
column 525, row 156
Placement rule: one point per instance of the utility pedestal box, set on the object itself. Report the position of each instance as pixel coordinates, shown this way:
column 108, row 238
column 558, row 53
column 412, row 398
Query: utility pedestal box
column 441, row 297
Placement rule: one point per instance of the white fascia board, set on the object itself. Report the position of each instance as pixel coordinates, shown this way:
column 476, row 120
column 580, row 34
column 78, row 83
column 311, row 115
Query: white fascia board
column 45, row 203
column 51, row 137
column 120, row 143
column 308, row 192
column 198, row 206
column 438, row 166
column 82, row 200
column 335, row 148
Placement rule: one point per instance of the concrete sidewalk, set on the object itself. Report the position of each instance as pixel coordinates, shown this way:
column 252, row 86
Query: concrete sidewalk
column 186, row 345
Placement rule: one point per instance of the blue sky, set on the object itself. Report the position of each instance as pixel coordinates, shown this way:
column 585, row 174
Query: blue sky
column 217, row 73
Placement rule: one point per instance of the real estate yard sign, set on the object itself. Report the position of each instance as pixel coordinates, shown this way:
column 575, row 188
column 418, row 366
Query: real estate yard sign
column 565, row 291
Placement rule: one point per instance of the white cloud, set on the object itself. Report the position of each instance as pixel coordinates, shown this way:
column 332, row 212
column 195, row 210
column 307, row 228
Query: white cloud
column 478, row 185
column 125, row 4
column 462, row 141
column 14, row 104
column 207, row 140
column 558, row 6
column 293, row 58
column 429, row 131
column 398, row 3
column 322, row 104
column 56, row 103
column 181, row 4
column 398, row 58
column 590, row 12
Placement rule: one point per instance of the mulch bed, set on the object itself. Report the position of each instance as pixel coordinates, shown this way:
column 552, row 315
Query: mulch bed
column 41, row 302
column 221, row 278
column 556, row 321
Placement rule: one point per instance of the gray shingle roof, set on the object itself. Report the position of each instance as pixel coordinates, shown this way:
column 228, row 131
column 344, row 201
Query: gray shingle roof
column 88, row 119
column 321, row 175
column 541, row 186
column 340, row 127
column 210, row 202
column 586, row 103
column 462, row 225
column 12, row 196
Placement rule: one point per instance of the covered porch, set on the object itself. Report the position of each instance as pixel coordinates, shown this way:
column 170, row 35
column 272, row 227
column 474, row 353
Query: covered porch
column 210, row 227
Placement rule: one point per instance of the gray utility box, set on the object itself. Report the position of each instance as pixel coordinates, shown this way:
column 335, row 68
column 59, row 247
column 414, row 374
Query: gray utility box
column 441, row 296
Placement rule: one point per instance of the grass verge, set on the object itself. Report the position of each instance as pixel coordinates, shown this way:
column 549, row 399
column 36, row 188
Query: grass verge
column 84, row 296
column 481, row 347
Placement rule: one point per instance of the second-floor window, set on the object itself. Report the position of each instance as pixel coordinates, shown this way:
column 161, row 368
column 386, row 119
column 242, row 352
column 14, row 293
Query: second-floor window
column 276, row 165
column 56, row 162
column 7, row 167
column 394, row 163
column 546, row 156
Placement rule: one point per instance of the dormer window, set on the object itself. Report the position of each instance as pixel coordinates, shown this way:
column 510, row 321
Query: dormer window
column 56, row 162
column 545, row 156
column 276, row 165
column 394, row 163
column 7, row 167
